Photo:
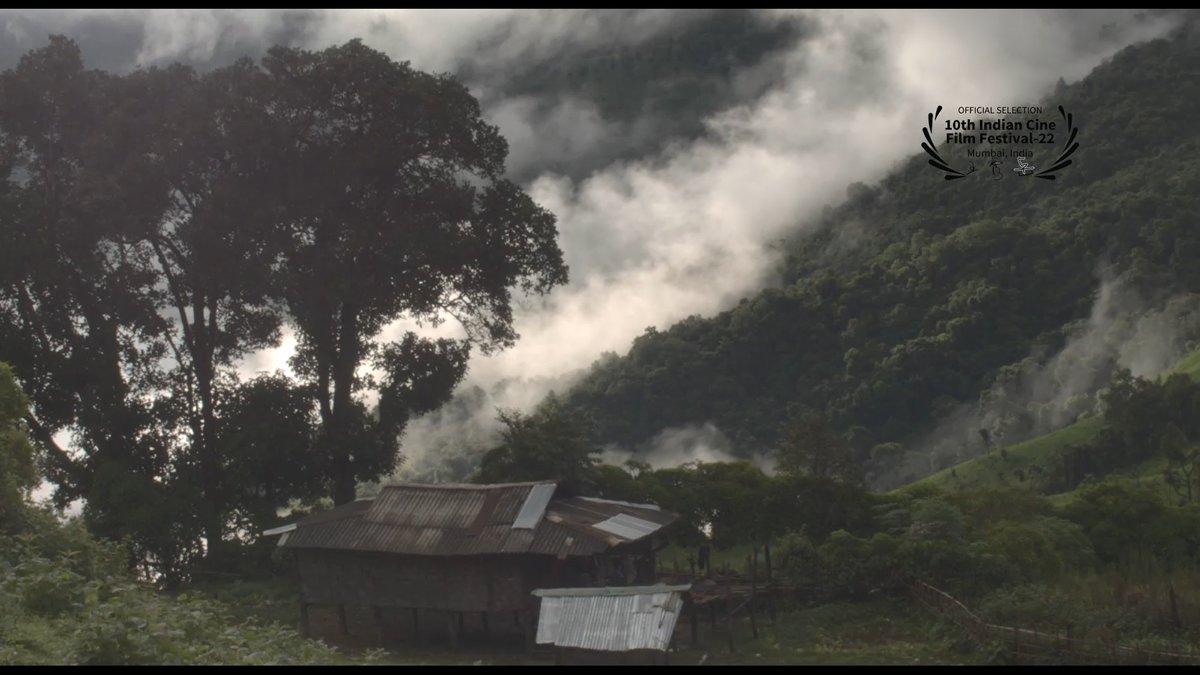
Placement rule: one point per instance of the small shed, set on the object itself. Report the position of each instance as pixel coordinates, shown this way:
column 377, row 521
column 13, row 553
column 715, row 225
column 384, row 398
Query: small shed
column 611, row 624
column 446, row 553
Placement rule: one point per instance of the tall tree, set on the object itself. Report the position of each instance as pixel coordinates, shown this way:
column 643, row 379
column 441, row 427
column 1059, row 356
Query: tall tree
column 78, row 294
column 812, row 446
column 214, row 250
column 158, row 227
column 551, row 443
column 139, row 267
column 395, row 207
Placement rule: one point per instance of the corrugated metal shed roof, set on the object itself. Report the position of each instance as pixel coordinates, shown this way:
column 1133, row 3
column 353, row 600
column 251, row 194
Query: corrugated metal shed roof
column 457, row 519
column 609, row 619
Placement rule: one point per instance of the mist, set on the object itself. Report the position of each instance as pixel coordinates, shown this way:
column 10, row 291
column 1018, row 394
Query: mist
column 688, row 230
column 667, row 206
column 675, row 446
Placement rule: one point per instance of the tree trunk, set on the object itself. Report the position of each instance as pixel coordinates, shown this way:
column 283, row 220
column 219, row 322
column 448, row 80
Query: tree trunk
column 343, row 382
column 203, row 332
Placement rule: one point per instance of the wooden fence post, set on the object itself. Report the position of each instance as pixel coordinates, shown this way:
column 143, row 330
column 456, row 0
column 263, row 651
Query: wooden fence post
column 695, row 620
column 729, row 617
column 770, row 581
column 753, row 593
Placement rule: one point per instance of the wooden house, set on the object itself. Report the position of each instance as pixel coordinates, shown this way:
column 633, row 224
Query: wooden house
column 421, row 553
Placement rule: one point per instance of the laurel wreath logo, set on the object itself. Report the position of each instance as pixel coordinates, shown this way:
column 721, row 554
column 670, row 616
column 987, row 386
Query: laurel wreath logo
column 1063, row 162
column 937, row 162
column 950, row 173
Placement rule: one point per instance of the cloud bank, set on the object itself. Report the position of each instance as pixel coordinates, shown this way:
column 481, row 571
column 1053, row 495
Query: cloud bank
column 670, row 186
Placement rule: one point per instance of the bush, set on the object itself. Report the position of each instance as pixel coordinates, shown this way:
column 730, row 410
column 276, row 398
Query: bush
column 855, row 567
column 1025, row 550
column 67, row 598
column 1122, row 520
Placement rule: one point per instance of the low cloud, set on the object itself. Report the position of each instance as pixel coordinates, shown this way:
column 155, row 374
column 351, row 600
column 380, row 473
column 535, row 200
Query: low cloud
column 656, row 226
column 688, row 230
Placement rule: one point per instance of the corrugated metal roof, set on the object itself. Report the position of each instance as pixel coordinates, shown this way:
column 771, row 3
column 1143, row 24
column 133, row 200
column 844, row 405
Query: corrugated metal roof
column 626, row 526
column 582, row 510
column 609, row 619
column 283, row 529
column 652, row 507
column 534, row 507
column 610, row 590
column 453, row 519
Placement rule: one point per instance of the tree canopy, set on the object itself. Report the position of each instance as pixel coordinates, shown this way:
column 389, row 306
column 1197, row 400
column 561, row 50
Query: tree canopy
column 552, row 443
column 157, row 228
column 394, row 207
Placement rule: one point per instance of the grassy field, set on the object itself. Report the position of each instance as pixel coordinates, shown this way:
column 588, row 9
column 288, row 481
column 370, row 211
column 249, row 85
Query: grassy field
column 1150, row 472
column 997, row 468
column 881, row 632
column 886, row 631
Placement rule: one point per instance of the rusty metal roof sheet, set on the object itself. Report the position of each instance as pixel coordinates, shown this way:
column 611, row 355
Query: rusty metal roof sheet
column 609, row 619
column 456, row 519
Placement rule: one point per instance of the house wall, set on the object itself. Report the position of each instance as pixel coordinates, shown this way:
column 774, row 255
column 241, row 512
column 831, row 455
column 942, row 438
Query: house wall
column 462, row 583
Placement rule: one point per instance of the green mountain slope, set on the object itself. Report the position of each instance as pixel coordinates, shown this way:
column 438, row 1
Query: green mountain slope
column 901, row 306
column 1188, row 365
column 1021, row 464
column 1028, row 464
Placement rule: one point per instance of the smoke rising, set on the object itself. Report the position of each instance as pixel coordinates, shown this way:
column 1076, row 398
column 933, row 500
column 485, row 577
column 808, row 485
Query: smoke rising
column 676, row 446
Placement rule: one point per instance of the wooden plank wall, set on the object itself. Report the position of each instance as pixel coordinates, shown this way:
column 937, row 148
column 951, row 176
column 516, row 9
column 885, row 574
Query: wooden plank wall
column 464, row 583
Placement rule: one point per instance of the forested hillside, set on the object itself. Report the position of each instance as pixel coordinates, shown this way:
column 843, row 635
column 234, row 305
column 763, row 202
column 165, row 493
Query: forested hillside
column 901, row 307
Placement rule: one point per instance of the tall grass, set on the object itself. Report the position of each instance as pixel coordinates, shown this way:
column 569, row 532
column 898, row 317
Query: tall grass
column 1141, row 602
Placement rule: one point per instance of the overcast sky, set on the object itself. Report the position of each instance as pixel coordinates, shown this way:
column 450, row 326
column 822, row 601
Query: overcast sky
column 665, row 209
